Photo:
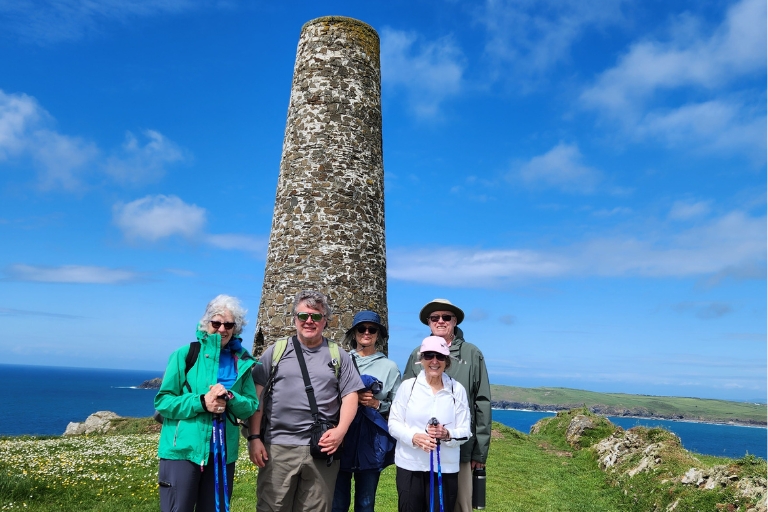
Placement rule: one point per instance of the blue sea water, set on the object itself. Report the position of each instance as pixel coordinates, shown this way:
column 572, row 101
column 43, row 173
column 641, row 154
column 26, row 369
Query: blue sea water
column 50, row 397
column 47, row 398
column 706, row 438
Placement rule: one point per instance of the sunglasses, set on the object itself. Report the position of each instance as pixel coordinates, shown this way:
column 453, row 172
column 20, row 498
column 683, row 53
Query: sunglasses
column 227, row 325
column 428, row 356
column 363, row 329
column 436, row 318
column 316, row 317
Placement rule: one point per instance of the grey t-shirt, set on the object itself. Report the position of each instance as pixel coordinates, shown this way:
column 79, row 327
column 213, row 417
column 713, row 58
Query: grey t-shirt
column 288, row 414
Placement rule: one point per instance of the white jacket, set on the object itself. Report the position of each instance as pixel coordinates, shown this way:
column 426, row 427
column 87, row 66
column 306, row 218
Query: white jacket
column 414, row 406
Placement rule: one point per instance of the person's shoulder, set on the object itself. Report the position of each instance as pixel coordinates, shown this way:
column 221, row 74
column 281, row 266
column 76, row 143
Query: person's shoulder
column 474, row 349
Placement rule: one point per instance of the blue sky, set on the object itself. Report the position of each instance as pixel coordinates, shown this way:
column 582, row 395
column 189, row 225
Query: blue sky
column 587, row 180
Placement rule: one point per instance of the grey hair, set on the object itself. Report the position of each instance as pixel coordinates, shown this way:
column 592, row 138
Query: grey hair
column 314, row 300
column 219, row 305
column 350, row 340
column 447, row 361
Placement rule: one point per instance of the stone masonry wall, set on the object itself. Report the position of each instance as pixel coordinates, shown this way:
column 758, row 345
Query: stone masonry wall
column 328, row 224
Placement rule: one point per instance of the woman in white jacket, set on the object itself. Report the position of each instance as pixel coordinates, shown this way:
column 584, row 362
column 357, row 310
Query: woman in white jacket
column 431, row 395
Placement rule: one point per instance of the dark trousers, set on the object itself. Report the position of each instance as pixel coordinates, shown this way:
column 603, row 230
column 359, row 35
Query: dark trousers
column 413, row 490
column 185, row 488
column 365, row 490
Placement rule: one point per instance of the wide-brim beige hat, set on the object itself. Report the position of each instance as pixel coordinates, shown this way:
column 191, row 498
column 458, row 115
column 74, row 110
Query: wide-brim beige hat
column 440, row 305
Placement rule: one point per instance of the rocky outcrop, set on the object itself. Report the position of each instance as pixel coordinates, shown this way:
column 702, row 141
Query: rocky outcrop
column 151, row 383
column 722, row 476
column 97, row 423
column 576, row 428
column 626, row 445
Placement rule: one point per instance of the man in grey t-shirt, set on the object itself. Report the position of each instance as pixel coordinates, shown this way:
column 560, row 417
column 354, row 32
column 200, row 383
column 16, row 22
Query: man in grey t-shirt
column 289, row 478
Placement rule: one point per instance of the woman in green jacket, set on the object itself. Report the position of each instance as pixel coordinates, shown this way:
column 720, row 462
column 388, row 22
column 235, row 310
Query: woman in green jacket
column 214, row 391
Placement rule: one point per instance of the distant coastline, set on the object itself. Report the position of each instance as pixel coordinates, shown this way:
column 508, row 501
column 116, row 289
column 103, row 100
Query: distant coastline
column 681, row 420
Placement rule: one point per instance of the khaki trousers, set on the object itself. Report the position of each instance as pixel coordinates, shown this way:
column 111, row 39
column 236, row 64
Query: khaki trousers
column 293, row 481
column 464, row 497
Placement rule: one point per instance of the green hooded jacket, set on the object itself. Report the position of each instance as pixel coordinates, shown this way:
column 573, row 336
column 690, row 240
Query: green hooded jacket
column 468, row 368
column 187, row 426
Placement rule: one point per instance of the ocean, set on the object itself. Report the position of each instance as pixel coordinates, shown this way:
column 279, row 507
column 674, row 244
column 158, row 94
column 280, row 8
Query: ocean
column 50, row 397
column 706, row 438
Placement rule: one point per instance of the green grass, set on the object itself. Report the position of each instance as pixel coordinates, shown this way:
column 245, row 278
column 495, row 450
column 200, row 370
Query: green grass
column 528, row 473
column 690, row 408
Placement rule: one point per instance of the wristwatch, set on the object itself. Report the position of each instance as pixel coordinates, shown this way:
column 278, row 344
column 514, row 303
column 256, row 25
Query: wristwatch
column 255, row 436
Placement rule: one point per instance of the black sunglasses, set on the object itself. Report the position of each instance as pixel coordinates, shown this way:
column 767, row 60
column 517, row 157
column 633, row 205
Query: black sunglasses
column 363, row 329
column 428, row 356
column 316, row 317
column 227, row 325
column 436, row 318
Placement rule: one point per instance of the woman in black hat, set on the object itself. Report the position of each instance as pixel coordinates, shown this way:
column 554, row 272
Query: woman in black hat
column 365, row 340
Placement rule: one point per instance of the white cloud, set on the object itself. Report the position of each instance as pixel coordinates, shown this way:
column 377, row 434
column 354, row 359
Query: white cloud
column 25, row 132
column 471, row 267
column 714, row 126
column 71, row 274
column 731, row 246
column 704, row 310
column 136, row 163
column 639, row 91
column 684, row 210
column 529, row 37
column 561, row 168
column 61, row 20
column 508, row 319
column 155, row 217
column 246, row 243
column 618, row 210
column 65, row 161
column 429, row 72
column 17, row 113
column 477, row 315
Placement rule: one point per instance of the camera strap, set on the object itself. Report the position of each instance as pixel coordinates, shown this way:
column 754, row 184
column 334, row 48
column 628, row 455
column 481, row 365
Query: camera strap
column 307, row 383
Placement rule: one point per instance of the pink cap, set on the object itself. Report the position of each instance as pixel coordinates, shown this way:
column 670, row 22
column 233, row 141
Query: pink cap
column 435, row 344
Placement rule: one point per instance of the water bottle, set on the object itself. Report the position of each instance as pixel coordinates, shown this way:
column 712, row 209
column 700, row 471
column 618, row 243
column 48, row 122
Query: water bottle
column 478, row 488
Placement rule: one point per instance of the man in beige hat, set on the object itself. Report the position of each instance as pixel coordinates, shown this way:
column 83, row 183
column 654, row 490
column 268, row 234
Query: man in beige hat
column 469, row 369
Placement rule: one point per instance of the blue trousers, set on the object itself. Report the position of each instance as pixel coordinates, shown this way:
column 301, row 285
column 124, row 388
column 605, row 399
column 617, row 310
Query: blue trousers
column 365, row 490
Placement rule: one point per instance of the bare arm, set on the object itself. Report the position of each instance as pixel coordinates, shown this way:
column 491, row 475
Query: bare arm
column 333, row 438
column 256, row 450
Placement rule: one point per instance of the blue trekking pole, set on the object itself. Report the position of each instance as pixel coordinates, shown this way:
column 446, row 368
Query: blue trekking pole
column 220, row 457
column 220, row 462
column 435, row 421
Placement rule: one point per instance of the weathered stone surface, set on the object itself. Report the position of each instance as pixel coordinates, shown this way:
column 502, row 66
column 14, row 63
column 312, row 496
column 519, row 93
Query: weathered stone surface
column 328, row 224
column 96, row 423
column 576, row 428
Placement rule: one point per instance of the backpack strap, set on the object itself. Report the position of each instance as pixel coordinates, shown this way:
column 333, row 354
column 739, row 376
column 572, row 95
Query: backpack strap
column 189, row 361
column 335, row 357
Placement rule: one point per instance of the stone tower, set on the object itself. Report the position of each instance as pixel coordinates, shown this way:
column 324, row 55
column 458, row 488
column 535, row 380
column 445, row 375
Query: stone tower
column 328, row 224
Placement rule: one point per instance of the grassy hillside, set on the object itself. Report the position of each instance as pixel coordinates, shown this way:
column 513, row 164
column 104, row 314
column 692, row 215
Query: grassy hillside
column 618, row 404
column 556, row 469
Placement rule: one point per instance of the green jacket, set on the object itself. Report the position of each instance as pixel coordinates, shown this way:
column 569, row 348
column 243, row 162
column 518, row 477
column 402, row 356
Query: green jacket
column 467, row 367
column 187, row 426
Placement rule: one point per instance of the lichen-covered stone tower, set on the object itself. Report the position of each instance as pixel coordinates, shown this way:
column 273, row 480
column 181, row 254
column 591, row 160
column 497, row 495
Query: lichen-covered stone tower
column 328, row 225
